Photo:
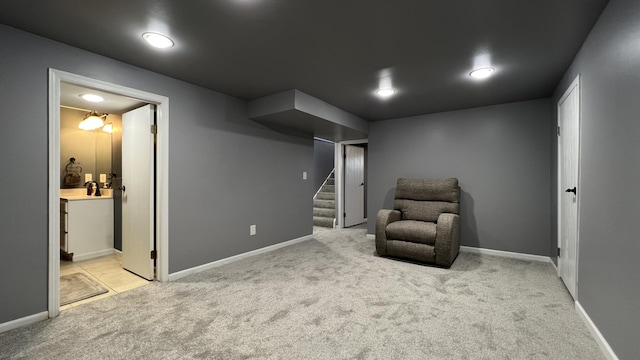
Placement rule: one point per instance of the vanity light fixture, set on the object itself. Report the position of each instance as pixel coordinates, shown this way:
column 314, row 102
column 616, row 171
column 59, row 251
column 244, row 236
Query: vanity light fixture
column 92, row 97
column 157, row 40
column 108, row 128
column 386, row 92
column 482, row 73
column 92, row 121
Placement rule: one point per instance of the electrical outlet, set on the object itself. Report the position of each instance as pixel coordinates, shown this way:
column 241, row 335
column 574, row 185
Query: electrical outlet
column 252, row 230
column 88, row 177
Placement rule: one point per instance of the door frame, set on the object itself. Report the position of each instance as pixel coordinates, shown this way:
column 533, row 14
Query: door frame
column 575, row 84
column 339, row 178
column 162, row 175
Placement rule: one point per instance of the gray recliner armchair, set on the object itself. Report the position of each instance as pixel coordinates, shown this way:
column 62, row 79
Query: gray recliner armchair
column 424, row 225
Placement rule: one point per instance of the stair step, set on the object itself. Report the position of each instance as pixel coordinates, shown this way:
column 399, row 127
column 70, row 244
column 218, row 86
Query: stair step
column 326, row 196
column 330, row 181
column 327, row 204
column 325, row 212
column 328, row 188
column 323, row 221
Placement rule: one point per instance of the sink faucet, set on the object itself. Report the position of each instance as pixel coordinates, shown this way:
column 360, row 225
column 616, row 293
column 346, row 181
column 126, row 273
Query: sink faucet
column 88, row 185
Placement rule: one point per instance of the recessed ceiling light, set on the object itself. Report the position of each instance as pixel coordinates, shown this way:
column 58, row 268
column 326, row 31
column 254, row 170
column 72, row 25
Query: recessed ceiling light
column 157, row 40
column 92, row 97
column 482, row 73
column 385, row 92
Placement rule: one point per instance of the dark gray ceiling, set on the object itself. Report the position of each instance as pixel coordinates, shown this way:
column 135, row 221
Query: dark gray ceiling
column 334, row 50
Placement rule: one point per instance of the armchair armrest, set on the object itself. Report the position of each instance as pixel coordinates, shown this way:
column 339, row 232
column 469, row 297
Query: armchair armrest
column 385, row 217
column 447, row 239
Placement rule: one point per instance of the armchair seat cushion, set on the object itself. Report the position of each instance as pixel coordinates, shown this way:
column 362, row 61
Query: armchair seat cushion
column 420, row 232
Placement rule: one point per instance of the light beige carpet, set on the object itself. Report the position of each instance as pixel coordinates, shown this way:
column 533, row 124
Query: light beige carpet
column 328, row 298
column 78, row 286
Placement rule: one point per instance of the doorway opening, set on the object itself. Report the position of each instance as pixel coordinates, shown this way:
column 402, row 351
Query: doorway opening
column 158, row 211
column 323, row 176
column 351, row 183
column 91, row 255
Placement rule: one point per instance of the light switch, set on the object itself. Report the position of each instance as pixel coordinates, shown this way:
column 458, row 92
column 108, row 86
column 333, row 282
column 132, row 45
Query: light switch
column 88, row 177
column 103, row 178
column 304, row 175
column 252, row 230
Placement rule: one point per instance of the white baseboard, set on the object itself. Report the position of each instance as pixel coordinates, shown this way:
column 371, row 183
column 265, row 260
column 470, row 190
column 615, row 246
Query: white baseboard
column 508, row 254
column 180, row 274
column 555, row 267
column 602, row 342
column 27, row 320
column 513, row 255
column 91, row 255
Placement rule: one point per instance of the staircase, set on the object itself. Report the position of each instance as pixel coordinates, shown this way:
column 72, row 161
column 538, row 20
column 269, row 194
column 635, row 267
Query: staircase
column 324, row 204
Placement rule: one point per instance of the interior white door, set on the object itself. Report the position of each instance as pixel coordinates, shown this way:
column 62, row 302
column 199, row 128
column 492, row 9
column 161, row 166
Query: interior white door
column 568, row 151
column 137, row 191
column 353, row 185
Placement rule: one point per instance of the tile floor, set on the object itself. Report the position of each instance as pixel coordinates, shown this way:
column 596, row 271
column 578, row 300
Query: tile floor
column 108, row 271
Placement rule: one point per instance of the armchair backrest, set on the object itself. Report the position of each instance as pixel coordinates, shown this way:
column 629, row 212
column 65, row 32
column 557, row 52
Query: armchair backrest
column 425, row 200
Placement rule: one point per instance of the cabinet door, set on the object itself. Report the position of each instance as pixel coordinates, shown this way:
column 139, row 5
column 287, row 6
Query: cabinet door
column 90, row 226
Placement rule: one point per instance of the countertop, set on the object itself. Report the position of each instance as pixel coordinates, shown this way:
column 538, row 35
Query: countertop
column 81, row 194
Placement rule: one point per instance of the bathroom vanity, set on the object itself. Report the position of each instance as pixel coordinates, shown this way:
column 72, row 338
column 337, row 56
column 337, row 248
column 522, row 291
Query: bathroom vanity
column 86, row 224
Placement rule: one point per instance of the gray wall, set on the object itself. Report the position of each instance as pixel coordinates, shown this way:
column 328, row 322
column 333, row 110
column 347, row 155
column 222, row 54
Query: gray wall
column 323, row 159
column 225, row 171
column 500, row 155
column 609, row 253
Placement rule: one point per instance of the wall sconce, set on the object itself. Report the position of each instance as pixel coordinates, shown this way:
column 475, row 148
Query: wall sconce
column 108, row 128
column 92, row 121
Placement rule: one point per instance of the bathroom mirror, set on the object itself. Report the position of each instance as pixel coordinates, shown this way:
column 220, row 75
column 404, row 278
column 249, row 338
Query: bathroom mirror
column 103, row 152
column 91, row 149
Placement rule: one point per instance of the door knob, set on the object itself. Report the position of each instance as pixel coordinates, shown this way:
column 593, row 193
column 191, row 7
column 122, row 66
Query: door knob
column 122, row 188
column 571, row 190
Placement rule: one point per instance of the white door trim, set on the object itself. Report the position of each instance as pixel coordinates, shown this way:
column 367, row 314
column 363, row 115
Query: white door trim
column 575, row 84
column 339, row 178
column 162, row 175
